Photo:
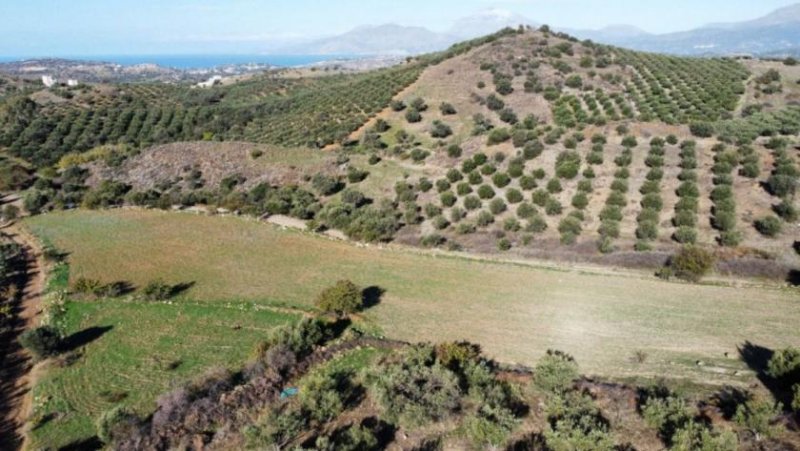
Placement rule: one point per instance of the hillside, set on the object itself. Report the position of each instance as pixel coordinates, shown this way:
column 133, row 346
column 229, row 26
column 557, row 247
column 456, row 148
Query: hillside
column 527, row 141
column 415, row 257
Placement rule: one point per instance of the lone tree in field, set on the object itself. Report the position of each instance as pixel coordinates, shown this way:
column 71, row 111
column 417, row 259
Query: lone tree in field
column 342, row 298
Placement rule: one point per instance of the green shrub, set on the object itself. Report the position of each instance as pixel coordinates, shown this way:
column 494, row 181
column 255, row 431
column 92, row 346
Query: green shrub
column 526, row 211
column 756, row 415
column 527, row 183
column 413, row 116
column 417, row 390
column 647, row 231
column 652, row 201
column 696, row 436
column 787, row 211
column 447, row 109
column 580, row 201
column 730, row 238
column 463, row 188
column 667, row 414
column 486, row 192
column 553, row 207
column 497, row 206
column 424, row 185
column 344, row 297
column 433, row 240
column 440, row 130
column 685, row 235
column 684, row 218
column 554, row 186
column 484, row 219
column 472, row 203
column 609, row 229
column 514, row 196
column 702, row 129
column 555, row 373
column 575, row 423
column 769, row 226
column 440, row 223
column 157, row 291
column 442, row 185
column 501, row 180
column 419, row 155
column 326, row 185
column 532, row 149
column 536, row 224
column 448, row 199
column 41, row 342
column 570, row 225
column 540, row 197
column 504, row 244
column 498, row 136
column 568, row 164
column 115, row 423
column 432, row 211
column 691, row 263
column 611, row 213
column 475, row 178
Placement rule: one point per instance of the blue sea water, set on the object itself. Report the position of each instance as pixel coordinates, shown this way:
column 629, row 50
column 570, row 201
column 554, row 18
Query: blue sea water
column 202, row 61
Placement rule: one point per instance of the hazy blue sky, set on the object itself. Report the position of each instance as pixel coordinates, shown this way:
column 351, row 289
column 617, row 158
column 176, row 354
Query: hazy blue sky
column 97, row 27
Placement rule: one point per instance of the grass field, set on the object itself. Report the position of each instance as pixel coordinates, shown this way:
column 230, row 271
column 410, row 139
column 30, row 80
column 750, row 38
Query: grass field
column 515, row 312
column 140, row 351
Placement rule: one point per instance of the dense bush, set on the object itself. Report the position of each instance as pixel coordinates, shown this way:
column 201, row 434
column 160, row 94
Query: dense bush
column 42, row 342
column 555, row 372
column 568, row 164
column 344, row 297
column 769, row 226
column 417, row 390
column 691, row 263
column 485, row 192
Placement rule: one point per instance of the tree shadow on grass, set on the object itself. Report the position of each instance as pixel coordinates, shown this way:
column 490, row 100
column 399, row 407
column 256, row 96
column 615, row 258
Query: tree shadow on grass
column 87, row 444
column 84, row 337
column 180, row 288
column 372, row 296
column 794, row 278
column 728, row 399
column 757, row 359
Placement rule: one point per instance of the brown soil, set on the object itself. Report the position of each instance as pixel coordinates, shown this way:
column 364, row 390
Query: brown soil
column 17, row 373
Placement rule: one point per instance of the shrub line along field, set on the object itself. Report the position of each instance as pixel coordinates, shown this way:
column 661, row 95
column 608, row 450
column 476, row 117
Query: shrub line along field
column 515, row 312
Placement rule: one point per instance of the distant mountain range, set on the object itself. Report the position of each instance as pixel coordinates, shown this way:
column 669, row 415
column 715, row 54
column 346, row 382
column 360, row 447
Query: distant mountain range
column 777, row 33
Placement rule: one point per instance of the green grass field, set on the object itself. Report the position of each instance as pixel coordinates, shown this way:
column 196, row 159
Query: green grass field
column 145, row 350
column 516, row 312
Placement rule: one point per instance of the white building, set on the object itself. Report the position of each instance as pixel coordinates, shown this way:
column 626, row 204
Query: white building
column 49, row 81
column 72, row 83
column 210, row 82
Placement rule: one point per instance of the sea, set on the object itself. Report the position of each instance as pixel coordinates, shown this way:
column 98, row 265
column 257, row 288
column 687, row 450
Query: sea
column 199, row 61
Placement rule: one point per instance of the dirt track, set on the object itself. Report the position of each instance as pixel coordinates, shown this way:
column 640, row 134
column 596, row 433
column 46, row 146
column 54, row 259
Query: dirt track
column 16, row 366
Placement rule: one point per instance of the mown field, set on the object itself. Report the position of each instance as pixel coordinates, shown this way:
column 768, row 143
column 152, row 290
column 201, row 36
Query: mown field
column 515, row 311
column 130, row 352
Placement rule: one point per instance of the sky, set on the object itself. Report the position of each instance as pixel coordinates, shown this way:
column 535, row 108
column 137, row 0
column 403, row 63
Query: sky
column 114, row 27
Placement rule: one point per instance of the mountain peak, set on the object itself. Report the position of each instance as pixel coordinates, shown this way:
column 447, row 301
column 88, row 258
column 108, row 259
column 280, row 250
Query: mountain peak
column 487, row 21
column 787, row 14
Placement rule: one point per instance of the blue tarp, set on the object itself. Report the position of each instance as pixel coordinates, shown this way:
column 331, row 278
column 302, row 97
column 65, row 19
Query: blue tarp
column 289, row 391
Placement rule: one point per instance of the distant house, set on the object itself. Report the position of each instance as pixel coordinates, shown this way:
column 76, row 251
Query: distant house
column 49, row 81
column 72, row 82
column 215, row 80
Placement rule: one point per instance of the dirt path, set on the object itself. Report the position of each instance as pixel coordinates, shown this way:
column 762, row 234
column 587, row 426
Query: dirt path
column 16, row 371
